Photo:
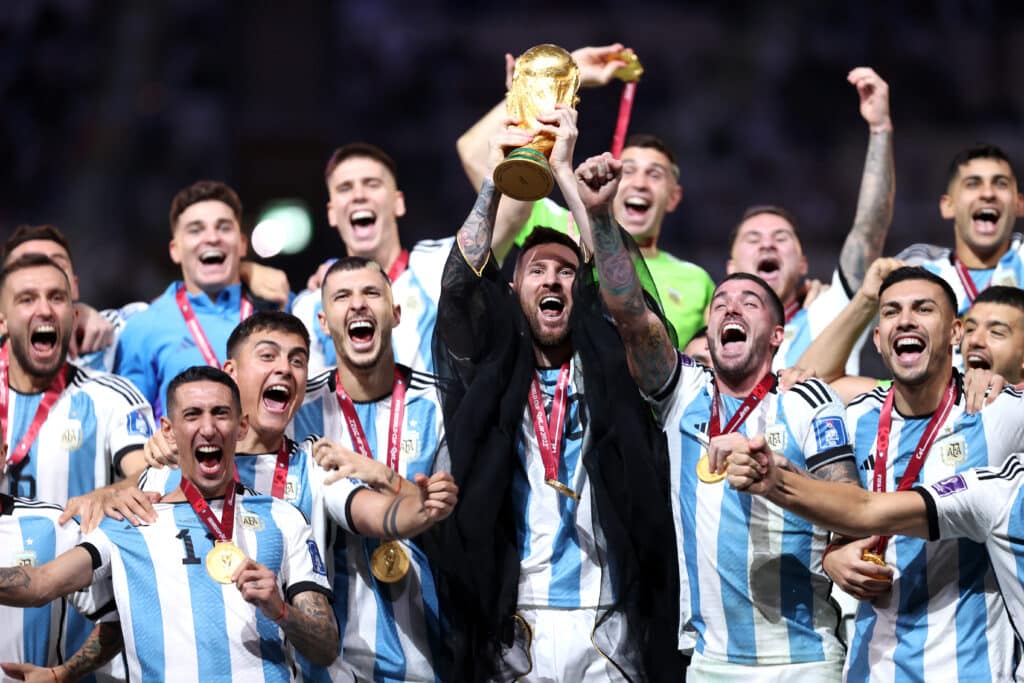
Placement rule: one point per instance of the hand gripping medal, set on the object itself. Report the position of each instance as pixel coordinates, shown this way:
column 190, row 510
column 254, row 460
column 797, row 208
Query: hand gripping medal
column 704, row 472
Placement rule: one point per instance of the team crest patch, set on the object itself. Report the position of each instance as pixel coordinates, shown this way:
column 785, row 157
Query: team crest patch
column 25, row 559
column 71, row 435
column 314, row 556
column 252, row 521
column 788, row 333
column 775, row 437
column 412, row 304
column 410, row 447
column 139, row 425
column 950, row 485
column 830, row 432
column 954, row 451
column 1006, row 280
column 291, row 487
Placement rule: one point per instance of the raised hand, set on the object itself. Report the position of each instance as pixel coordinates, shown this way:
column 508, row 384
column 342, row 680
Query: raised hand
column 560, row 124
column 874, row 97
column 598, row 180
column 598, row 64
column 439, row 494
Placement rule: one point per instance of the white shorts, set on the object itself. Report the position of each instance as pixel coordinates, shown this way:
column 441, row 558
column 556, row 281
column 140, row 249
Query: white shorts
column 562, row 649
column 704, row 669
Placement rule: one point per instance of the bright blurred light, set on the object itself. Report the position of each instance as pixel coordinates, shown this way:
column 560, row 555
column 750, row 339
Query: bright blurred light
column 284, row 227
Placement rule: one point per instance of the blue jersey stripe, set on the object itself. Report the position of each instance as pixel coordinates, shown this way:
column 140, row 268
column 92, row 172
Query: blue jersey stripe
column 270, row 553
column 733, row 555
column 389, row 663
column 21, row 479
column 38, row 534
column 971, row 617
column 81, row 461
column 147, row 625
column 797, row 599
column 425, row 323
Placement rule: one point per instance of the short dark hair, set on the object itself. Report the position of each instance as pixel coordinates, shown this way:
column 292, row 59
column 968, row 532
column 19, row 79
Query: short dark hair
column 27, row 233
column 30, row 261
column 648, row 141
column 360, row 149
column 757, row 210
column 774, row 302
column 201, row 373
column 201, row 191
column 545, row 235
column 978, row 151
column 264, row 321
column 702, row 332
column 918, row 273
column 353, row 263
column 1001, row 294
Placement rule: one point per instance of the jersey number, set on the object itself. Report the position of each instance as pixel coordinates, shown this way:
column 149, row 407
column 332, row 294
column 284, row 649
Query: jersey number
column 190, row 552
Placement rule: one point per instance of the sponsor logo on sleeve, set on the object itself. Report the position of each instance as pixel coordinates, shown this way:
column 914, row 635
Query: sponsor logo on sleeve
column 314, row 555
column 950, row 485
column 830, row 432
column 138, row 424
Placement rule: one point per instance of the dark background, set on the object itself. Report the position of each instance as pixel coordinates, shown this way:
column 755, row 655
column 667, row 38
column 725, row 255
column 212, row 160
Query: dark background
column 108, row 108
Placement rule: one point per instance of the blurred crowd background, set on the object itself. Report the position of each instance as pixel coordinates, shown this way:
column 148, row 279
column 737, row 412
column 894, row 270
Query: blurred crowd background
column 108, row 108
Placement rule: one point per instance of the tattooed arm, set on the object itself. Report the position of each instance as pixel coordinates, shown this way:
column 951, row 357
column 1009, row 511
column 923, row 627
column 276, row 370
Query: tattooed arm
column 311, row 626
column 474, row 237
column 36, row 586
column 866, row 239
column 652, row 358
column 410, row 514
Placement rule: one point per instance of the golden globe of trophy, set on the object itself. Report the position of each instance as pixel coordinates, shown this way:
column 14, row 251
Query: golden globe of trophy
column 544, row 76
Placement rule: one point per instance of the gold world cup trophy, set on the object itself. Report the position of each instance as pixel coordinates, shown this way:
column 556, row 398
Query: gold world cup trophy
column 544, row 76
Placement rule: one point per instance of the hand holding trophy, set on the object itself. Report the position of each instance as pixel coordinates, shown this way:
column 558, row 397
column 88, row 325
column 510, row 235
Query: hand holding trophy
column 544, row 76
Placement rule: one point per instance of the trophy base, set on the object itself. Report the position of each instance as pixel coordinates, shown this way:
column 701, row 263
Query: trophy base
column 524, row 175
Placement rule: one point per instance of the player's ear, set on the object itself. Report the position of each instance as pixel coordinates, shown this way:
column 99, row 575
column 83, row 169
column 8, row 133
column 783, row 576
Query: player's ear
column 165, row 429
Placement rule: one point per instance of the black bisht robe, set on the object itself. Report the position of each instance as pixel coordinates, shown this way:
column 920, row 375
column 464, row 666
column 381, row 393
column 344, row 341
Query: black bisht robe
column 483, row 350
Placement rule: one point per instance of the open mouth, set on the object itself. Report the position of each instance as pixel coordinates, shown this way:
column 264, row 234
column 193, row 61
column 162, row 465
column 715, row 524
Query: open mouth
column 551, row 306
column 44, row 338
column 908, row 348
column 986, row 220
column 212, row 257
column 208, row 458
column 768, row 267
column 977, row 360
column 637, row 206
column 276, row 397
column 362, row 218
column 732, row 335
column 361, row 331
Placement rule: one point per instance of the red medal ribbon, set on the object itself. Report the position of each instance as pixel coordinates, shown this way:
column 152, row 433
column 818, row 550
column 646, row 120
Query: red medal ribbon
column 791, row 310
column 355, row 429
column 280, row 470
column 222, row 528
column 965, row 279
column 549, row 433
column 747, row 407
column 622, row 123
column 56, row 388
column 924, row 445
column 196, row 330
column 399, row 266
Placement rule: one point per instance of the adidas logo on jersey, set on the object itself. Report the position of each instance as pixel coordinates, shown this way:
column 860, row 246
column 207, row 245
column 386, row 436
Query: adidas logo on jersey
column 869, row 464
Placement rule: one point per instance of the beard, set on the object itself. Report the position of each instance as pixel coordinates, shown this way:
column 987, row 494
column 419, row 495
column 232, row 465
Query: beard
column 546, row 338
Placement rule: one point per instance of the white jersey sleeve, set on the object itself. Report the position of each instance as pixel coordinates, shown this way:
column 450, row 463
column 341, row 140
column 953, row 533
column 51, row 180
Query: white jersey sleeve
column 818, row 418
column 972, row 503
column 338, row 497
column 303, row 567
column 687, row 380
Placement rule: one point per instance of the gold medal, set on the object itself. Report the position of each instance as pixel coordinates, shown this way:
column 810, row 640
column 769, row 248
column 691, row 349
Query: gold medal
column 704, row 472
column 874, row 558
column 223, row 560
column 389, row 562
column 562, row 488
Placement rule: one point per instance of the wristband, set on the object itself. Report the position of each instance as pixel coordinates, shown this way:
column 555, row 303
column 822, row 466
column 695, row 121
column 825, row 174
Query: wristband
column 284, row 611
column 399, row 489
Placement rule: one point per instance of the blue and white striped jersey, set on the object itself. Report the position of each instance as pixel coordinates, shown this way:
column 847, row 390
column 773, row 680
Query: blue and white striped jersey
column 103, row 360
column 939, row 260
column 944, row 616
column 97, row 419
column 986, row 505
column 155, row 345
column 390, row 632
column 563, row 559
column 416, row 290
column 178, row 623
column 30, row 536
column 809, row 322
column 304, row 488
column 752, row 590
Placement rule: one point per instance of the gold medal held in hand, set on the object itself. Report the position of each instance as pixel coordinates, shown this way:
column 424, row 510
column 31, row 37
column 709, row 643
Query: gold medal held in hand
column 389, row 562
column 875, row 558
column 223, row 560
column 704, row 472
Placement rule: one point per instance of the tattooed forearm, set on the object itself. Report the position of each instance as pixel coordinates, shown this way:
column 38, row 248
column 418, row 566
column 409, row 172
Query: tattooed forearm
column 14, row 579
column 475, row 234
column 843, row 471
column 104, row 642
column 390, row 521
column 310, row 624
column 874, row 210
